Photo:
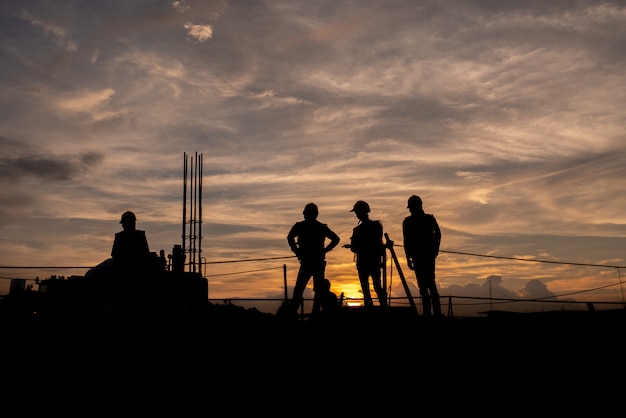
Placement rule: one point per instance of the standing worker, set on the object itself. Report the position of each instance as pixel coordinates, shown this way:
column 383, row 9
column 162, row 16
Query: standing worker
column 367, row 244
column 307, row 240
column 422, row 238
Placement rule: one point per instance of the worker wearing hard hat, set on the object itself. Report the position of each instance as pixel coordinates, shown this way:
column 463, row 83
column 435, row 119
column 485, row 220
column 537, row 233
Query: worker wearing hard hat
column 422, row 238
column 130, row 247
column 366, row 243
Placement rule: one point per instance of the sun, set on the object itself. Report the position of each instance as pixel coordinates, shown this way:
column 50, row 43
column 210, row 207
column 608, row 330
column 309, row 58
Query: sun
column 352, row 295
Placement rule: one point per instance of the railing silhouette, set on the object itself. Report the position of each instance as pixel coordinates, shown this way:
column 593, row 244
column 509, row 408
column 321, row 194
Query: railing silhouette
column 470, row 306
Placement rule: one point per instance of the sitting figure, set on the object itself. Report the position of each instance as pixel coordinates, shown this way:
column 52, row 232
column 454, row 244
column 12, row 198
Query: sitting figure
column 325, row 302
column 130, row 250
column 120, row 281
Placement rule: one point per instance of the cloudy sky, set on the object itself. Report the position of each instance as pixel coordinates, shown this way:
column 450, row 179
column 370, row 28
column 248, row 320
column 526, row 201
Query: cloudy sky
column 507, row 118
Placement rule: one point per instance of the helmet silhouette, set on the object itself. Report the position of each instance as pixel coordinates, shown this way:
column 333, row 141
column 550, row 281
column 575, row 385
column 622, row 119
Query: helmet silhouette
column 310, row 210
column 414, row 202
column 361, row 207
column 127, row 217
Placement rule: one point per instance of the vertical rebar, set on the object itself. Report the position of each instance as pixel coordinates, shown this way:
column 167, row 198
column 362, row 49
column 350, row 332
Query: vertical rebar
column 192, row 225
column 184, row 202
column 200, row 210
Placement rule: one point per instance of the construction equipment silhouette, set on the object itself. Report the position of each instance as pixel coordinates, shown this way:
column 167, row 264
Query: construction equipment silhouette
column 389, row 244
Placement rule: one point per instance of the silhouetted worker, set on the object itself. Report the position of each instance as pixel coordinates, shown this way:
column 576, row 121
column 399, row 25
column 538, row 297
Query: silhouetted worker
column 133, row 267
column 130, row 247
column 325, row 302
column 367, row 245
column 422, row 238
column 130, row 251
column 118, row 281
column 307, row 240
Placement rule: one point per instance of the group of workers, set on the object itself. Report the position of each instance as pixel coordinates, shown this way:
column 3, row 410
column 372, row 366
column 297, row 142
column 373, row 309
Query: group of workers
column 311, row 239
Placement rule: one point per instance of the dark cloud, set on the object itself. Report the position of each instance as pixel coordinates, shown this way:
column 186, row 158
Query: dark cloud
column 47, row 168
column 535, row 289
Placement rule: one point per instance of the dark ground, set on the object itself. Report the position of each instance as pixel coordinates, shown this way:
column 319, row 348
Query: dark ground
column 225, row 357
column 68, row 350
column 228, row 329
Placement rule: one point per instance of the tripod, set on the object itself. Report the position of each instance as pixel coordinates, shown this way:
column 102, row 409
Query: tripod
column 389, row 244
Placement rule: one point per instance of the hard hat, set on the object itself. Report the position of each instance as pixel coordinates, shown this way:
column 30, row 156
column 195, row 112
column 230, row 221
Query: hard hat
column 361, row 207
column 414, row 202
column 128, row 216
column 310, row 210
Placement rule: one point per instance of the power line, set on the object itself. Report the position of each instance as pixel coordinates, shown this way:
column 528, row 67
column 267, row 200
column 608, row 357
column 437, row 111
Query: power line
column 535, row 260
column 44, row 267
column 248, row 259
column 293, row 256
column 242, row 272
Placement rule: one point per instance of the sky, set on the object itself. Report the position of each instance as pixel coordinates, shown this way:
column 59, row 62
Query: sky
column 507, row 118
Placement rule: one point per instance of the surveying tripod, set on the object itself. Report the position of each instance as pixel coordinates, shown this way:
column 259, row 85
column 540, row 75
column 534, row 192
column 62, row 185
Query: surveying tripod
column 389, row 245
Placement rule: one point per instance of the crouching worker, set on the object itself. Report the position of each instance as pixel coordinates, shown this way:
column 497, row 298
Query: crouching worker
column 326, row 304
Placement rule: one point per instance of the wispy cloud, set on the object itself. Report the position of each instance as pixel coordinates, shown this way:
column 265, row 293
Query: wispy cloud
column 507, row 118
